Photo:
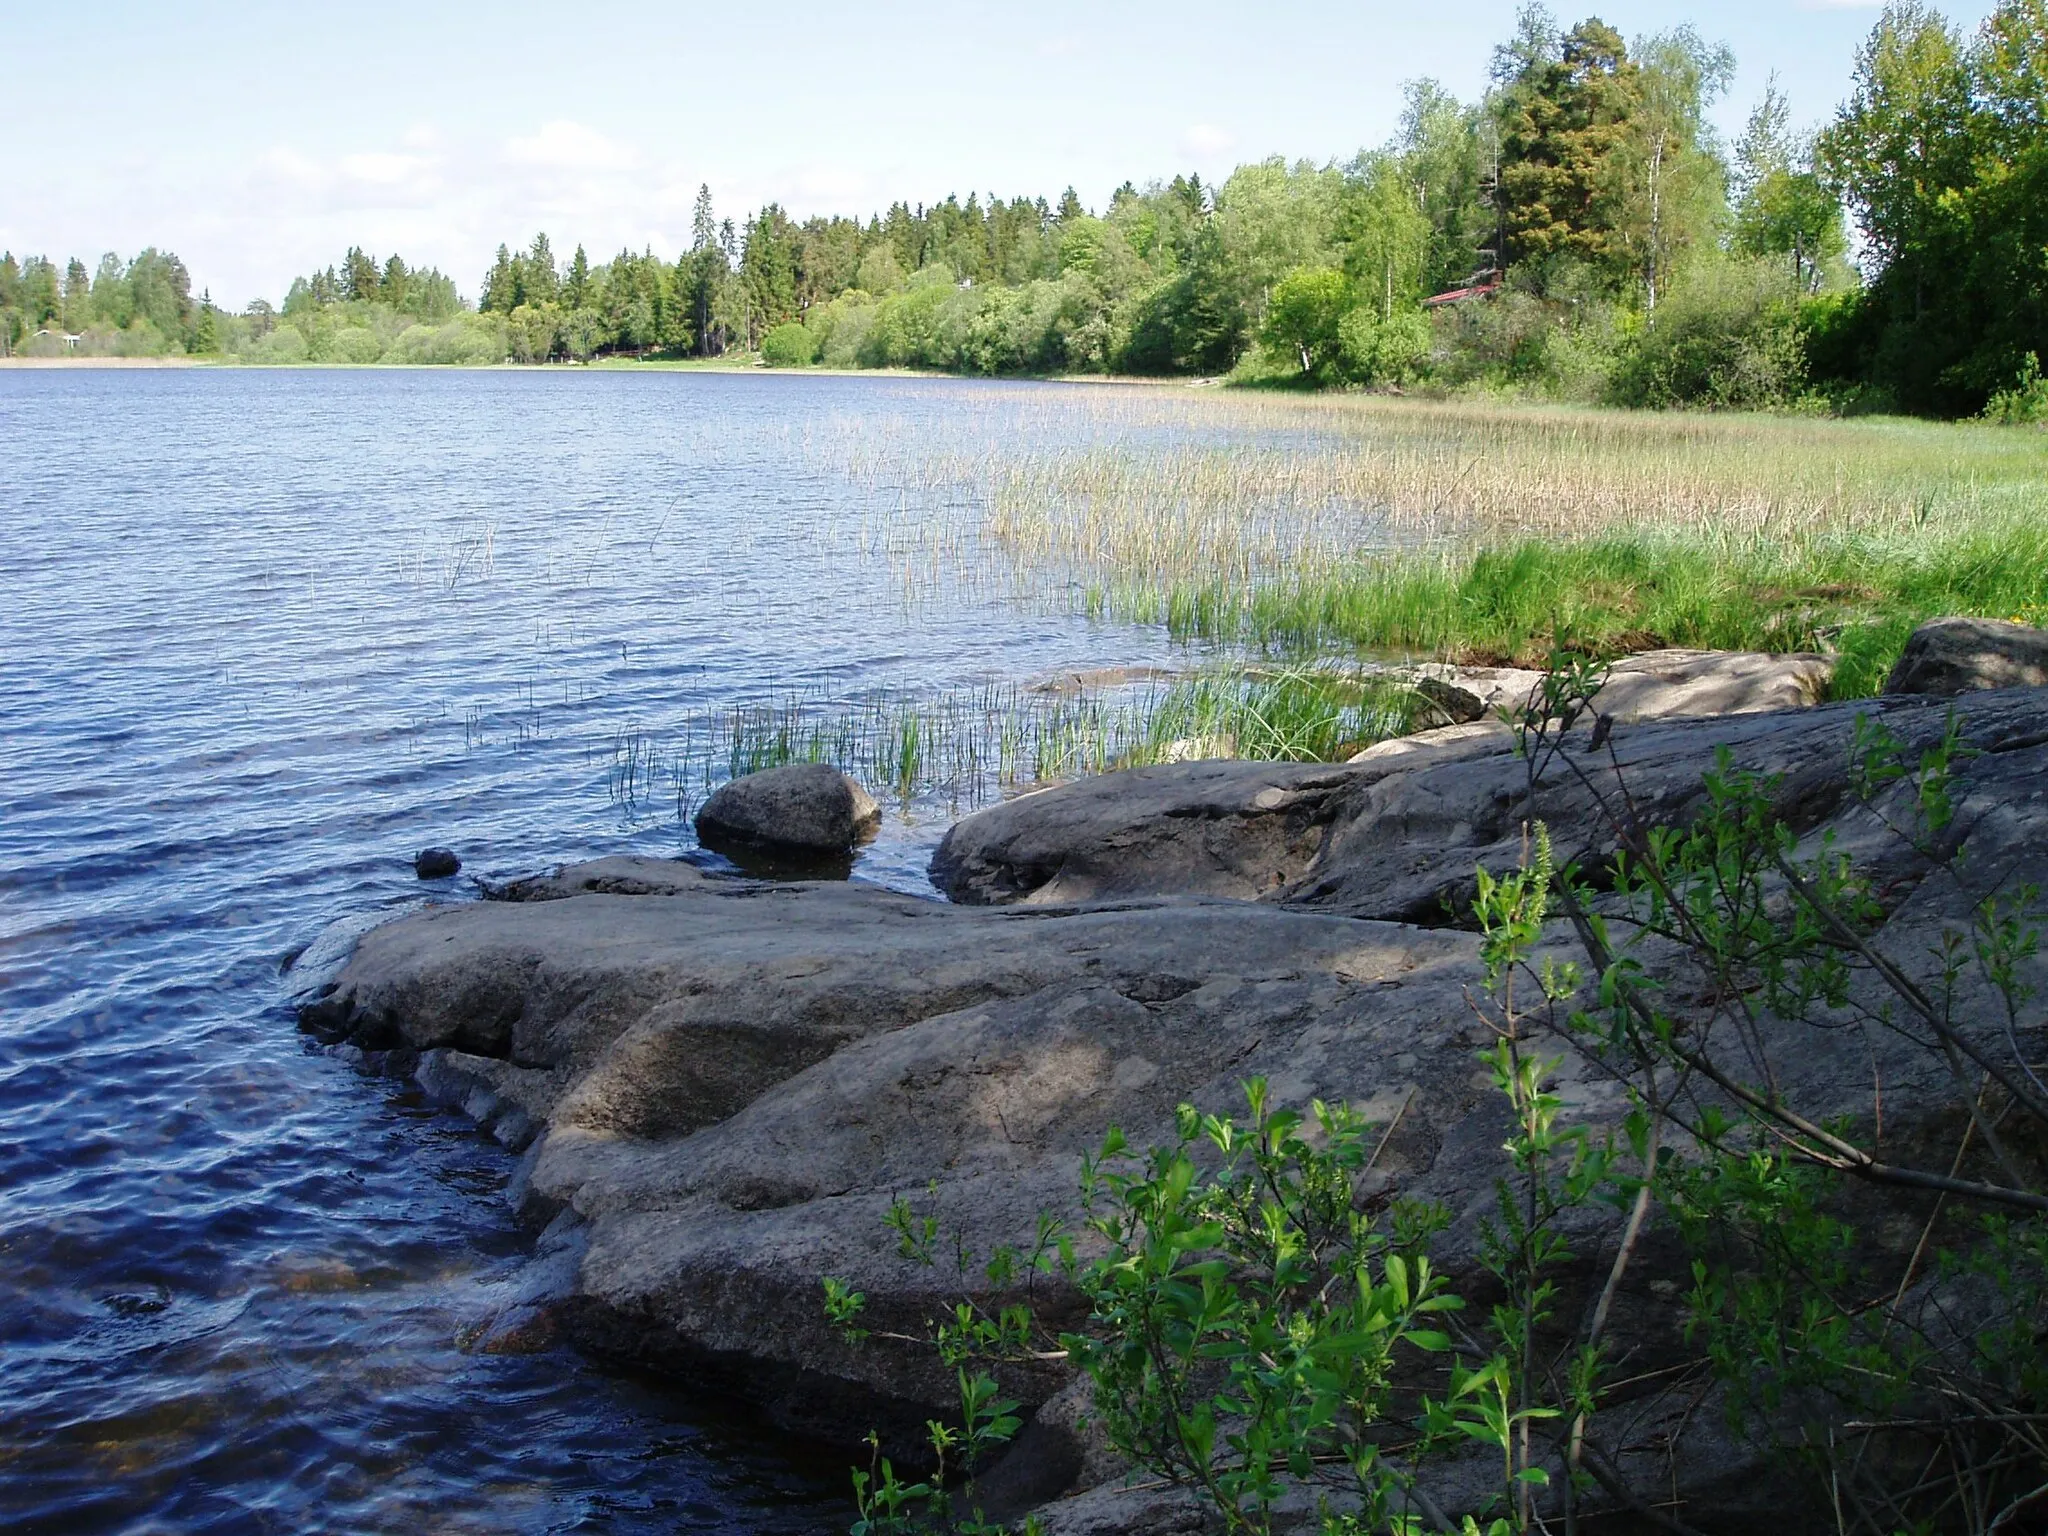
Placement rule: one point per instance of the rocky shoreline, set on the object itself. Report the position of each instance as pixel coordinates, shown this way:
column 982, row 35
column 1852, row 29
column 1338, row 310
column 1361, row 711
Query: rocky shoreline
column 719, row 1086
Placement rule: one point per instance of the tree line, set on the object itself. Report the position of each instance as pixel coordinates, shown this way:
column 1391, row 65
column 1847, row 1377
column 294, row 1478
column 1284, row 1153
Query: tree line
column 1579, row 231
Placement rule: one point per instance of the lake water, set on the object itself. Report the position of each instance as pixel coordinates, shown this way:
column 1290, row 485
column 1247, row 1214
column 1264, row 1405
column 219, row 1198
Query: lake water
column 264, row 636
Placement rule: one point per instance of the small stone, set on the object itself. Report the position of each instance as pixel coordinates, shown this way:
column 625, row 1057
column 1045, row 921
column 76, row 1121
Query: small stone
column 435, row 863
column 1448, row 704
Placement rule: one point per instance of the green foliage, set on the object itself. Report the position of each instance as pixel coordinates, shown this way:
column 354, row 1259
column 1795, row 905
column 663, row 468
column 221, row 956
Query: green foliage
column 1783, row 206
column 139, row 308
column 1942, row 152
column 1726, row 948
column 1245, row 1327
column 1387, row 351
column 789, row 345
column 2025, row 401
column 1305, row 315
column 1727, row 337
column 1860, row 596
column 1564, row 123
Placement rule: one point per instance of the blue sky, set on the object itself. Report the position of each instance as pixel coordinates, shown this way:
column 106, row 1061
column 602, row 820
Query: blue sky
column 260, row 141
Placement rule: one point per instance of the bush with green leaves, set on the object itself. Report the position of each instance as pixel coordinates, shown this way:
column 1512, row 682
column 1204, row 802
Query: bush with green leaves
column 1260, row 1334
column 1249, row 1328
column 2025, row 401
column 1728, row 336
column 1384, row 351
column 1305, row 316
column 1907, row 1376
column 789, row 345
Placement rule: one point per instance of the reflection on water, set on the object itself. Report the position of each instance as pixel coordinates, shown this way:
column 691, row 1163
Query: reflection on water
column 265, row 635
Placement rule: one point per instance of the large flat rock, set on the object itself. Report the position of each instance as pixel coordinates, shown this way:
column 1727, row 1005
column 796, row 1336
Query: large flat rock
column 1397, row 834
column 1263, row 831
column 722, row 1087
column 1217, row 827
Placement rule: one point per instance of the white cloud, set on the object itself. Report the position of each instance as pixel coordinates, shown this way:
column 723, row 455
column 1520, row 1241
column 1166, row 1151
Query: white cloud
column 382, row 170
column 1206, row 139
column 566, row 146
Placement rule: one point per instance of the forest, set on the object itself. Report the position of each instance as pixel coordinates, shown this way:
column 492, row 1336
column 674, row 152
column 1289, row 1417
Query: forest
column 1580, row 232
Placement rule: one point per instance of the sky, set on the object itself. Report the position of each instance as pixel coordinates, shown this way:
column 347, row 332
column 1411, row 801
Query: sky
column 260, row 141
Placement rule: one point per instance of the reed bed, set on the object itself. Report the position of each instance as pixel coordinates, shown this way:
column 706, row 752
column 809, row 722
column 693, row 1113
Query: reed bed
column 969, row 745
column 1474, row 531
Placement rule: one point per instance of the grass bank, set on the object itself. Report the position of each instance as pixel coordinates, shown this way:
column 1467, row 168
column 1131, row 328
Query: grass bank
column 1468, row 531
column 1856, row 596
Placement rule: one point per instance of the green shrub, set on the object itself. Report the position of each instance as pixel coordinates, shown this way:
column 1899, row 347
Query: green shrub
column 283, row 345
column 1390, row 351
column 1727, row 337
column 467, row 340
column 1305, row 317
column 354, row 344
column 789, row 345
column 2027, row 399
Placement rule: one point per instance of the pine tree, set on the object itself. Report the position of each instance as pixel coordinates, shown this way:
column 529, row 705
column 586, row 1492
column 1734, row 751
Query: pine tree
column 1565, row 120
column 541, row 285
column 358, row 276
column 498, row 285
column 703, row 227
column 206, row 333
column 77, row 296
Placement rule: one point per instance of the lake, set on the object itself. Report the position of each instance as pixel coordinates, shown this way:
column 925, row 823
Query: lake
column 266, row 634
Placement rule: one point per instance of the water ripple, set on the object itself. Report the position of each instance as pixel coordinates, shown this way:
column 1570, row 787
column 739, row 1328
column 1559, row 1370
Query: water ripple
column 266, row 634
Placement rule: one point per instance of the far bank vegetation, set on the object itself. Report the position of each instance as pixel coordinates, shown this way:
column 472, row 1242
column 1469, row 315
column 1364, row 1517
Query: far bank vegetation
column 1578, row 233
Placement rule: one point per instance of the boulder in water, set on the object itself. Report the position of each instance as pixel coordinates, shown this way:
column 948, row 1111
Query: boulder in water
column 802, row 809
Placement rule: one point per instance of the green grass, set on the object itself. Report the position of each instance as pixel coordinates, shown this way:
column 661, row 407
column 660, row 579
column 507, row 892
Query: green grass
column 961, row 747
column 1296, row 714
column 1857, row 596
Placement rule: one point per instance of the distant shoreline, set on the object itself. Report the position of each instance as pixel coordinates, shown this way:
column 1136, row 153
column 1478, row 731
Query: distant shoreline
column 602, row 365
column 99, row 362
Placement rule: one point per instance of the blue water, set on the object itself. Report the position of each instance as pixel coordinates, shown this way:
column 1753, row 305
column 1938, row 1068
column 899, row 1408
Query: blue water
column 264, row 635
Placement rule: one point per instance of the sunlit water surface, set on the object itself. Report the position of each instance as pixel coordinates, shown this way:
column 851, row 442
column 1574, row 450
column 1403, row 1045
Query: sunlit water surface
column 265, row 635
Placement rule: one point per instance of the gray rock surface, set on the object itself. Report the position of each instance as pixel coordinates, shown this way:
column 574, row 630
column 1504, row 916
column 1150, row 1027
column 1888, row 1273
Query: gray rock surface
column 1951, row 656
column 804, row 808
column 624, row 874
column 726, row 1085
column 1214, row 827
column 1656, row 685
column 1254, row 830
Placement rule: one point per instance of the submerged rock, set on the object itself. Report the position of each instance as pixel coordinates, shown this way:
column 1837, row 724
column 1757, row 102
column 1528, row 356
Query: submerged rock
column 622, row 874
column 435, row 863
column 802, row 809
column 1951, row 656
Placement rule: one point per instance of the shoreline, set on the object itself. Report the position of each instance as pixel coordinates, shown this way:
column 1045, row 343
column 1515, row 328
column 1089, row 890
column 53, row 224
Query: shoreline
column 609, row 365
column 100, row 362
